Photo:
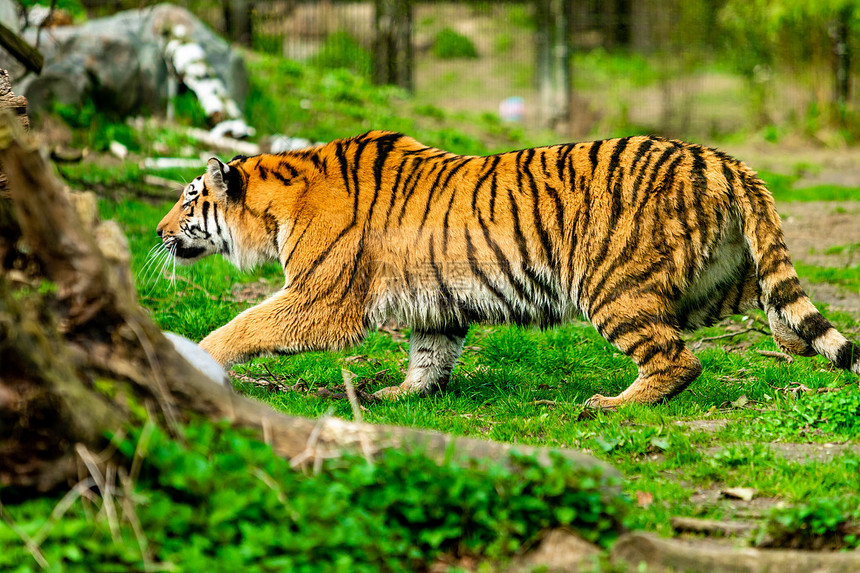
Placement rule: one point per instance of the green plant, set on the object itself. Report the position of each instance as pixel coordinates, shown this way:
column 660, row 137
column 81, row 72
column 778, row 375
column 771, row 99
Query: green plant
column 342, row 50
column 449, row 44
column 816, row 524
column 220, row 500
column 836, row 412
column 188, row 109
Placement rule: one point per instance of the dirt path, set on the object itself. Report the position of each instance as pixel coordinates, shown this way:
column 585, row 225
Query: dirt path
column 811, row 228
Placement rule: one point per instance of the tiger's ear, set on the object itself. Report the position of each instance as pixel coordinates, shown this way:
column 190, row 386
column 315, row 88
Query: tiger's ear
column 225, row 181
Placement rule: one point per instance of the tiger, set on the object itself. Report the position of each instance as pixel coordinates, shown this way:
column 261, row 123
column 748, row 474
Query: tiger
column 644, row 237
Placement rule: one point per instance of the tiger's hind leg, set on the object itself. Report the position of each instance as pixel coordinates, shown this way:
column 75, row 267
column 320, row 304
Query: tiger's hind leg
column 651, row 338
column 786, row 338
column 432, row 356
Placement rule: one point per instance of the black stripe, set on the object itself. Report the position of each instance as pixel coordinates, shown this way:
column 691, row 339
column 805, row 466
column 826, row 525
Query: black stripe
column 490, row 170
column 592, row 155
column 617, row 189
column 493, row 189
column 215, row 218
column 559, row 208
column 295, row 245
column 394, row 187
column 322, row 256
column 415, row 182
column 614, row 159
column 628, row 283
column 340, row 155
column 451, row 174
column 437, row 273
column 700, row 191
column 674, row 346
column 680, row 215
column 784, row 293
column 543, row 235
column 772, row 260
column 813, row 326
column 355, row 266
column 634, row 324
column 519, row 168
column 432, row 190
column 445, row 228
column 356, row 169
column 582, row 222
column 664, row 157
column 643, row 154
column 205, row 211
column 476, row 270
column 847, row 355
column 504, row 263
column 522, row 246
column 384, row 145
column 283, row 165
column 561, row 162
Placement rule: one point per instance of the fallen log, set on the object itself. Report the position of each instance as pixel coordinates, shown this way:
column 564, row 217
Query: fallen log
column 648, row 552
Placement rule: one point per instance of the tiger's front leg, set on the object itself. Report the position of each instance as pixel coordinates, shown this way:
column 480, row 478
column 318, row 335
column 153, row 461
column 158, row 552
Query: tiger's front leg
column 432, row 356
column 286, row 323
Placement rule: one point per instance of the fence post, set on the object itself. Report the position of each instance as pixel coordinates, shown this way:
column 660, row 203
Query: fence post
column 392, row 45
column 842, row 61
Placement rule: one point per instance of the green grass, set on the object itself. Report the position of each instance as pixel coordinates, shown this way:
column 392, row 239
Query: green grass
column 848, row 277
column 784, row 189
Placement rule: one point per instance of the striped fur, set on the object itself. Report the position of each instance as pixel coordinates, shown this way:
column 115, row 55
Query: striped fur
column 644, row 236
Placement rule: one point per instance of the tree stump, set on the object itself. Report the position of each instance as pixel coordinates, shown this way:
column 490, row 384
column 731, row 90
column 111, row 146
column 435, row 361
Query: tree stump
column 17, row 105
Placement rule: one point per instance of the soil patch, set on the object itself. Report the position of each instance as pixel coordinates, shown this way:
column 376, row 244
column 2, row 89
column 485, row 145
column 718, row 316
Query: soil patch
column 803, row 453
column 813, row 227
column 711, row 426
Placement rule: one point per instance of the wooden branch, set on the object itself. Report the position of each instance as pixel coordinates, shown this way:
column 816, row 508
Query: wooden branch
column 713, row 527
column 21, row 50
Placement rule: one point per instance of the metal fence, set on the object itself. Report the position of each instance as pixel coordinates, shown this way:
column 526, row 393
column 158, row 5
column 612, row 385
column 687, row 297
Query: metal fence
column 695, row 68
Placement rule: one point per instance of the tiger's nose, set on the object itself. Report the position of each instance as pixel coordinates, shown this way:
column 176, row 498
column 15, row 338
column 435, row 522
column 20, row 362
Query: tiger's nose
column 160, row 232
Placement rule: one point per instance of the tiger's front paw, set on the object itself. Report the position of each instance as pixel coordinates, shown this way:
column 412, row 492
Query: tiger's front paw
column 220, row 351
column 600, row 402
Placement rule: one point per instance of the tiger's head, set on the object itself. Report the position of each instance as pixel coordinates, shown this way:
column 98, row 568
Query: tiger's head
column 240, row 209
column 207, row 219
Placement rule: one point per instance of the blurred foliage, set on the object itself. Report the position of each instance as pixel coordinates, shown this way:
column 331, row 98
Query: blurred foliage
column 218, row 500
column 342, row 50
column 450, row 44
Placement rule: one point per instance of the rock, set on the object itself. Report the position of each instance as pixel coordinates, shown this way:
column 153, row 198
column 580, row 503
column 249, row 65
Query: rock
column 118, row 61
column 560, row 551
column 9, row 14
column 647, row 553
column 199, row 358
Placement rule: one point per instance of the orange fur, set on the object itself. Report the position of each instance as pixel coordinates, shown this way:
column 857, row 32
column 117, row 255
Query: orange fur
column 644, row 236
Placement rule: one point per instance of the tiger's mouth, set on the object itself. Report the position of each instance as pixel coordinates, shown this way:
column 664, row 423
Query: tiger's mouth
column 189, row 254
column 185, row 254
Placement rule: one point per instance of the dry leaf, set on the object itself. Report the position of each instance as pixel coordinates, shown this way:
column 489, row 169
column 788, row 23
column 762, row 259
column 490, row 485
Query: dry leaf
column 644, row 498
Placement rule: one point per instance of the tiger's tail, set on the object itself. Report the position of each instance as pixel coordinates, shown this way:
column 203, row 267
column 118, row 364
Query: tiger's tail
column 797, row 325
